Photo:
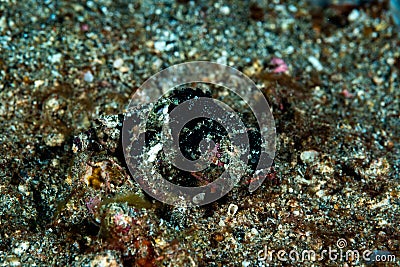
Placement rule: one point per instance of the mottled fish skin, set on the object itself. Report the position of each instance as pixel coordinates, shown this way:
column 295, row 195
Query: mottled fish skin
column 325, row 3
column 395, row 10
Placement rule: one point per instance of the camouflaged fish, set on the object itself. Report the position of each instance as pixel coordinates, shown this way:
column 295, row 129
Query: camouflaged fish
column 394, row 7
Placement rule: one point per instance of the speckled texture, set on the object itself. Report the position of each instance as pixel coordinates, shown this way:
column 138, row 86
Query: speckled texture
column 63, row 65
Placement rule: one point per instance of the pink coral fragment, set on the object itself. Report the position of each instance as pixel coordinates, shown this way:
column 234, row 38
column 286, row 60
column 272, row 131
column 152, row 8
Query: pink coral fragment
column 280, row 65
column 347, row 94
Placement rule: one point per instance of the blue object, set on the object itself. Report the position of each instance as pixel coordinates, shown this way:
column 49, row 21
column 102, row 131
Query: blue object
column 395, row 10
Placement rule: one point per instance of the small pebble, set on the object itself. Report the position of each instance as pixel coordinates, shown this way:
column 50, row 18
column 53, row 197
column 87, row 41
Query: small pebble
column 347, row 94
column 232, row 209
column 309, row 156
column 292, row 8
column 315, row 63
column 160, row 45
column 55, row 139
column 88, row 77
column 391, row 61
column 320, row 193
column 84, row 27
column 22, row 247
column 225, row 10
column 378, row 80
column 55, row 58
column 354, row 15
column 254, row 231
column 154, row 151
column 157, row 64
column 222, row 60
column 118, row 63
column 38, row 83
column 124, row 69
column 23, row 189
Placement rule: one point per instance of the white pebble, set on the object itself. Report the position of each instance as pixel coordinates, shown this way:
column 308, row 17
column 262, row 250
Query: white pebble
column 390, row 61
column 292, row 8
column 118, row 63
column 154, row 151
column 23, row 189
column 315, row 62
column 169, row 47
column 3, row 22
column 225, row 10
column 55, row 58
column 22, row 247
column 38, row 83
column 157, row 63
column 88, row 77
column 232, row 209
column 160, row 45
column 254, row 231
column 124, row 69
column 320, row 193
column 289, row 50
column 354, row 15
column 222, row 60
column 309, row 156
